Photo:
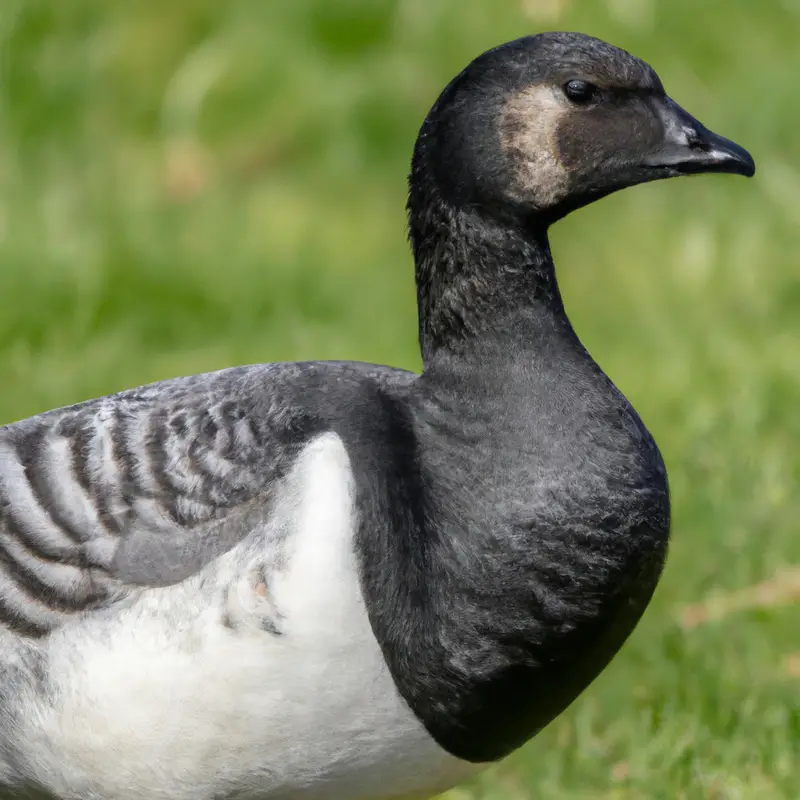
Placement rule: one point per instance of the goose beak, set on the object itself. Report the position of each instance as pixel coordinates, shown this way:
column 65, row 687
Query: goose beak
column 689, row 147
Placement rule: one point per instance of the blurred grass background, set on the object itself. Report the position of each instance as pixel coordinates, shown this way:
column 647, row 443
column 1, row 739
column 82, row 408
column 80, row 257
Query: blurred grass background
column 190, row 185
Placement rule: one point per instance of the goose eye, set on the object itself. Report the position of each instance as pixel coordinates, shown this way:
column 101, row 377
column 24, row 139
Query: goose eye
column 579, row 91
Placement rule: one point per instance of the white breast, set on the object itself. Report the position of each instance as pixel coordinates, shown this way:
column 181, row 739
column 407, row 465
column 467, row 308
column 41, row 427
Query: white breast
column 185, row 696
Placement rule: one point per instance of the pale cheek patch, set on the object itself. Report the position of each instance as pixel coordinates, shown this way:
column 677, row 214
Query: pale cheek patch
column 528, row 129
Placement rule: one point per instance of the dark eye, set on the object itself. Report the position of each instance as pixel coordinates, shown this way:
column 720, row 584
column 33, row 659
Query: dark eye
column 579, row 91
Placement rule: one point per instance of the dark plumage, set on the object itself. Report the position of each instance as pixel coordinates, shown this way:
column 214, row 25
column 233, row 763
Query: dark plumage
column 248, row 541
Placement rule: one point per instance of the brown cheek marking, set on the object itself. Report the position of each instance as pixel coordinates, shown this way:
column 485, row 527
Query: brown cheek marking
column 528, row 129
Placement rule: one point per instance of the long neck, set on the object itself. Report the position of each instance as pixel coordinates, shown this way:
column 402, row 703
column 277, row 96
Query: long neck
column 526, row 506
column 476, row 276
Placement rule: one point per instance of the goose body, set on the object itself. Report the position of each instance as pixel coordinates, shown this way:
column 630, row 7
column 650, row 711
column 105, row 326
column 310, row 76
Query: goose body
column 196, row 671
column 335, row 580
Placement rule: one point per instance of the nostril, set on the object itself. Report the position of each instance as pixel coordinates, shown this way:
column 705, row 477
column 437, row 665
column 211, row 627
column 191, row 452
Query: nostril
column 694, row 140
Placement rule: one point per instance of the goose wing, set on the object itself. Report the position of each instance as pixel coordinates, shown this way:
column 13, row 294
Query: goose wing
column 145, row 487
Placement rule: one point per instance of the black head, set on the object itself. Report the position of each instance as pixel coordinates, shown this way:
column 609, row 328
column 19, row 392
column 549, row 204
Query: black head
column 548, row 123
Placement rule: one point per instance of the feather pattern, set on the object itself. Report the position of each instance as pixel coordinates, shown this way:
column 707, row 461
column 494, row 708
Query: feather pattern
column 143, row 487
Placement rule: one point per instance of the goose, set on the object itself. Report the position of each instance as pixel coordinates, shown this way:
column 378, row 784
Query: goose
column 342, row 580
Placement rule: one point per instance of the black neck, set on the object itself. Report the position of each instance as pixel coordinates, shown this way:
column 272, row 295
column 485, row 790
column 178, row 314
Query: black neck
column 476, row 275
column 513, row 509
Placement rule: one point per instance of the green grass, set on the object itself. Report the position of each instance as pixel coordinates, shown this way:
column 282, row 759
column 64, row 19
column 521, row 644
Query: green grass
column 187, row 186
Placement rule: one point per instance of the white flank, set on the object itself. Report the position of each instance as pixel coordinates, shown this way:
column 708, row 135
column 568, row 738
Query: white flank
column 184, row 695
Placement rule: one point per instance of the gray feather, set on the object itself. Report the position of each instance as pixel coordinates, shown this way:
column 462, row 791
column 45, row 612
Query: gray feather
column 146, row 487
